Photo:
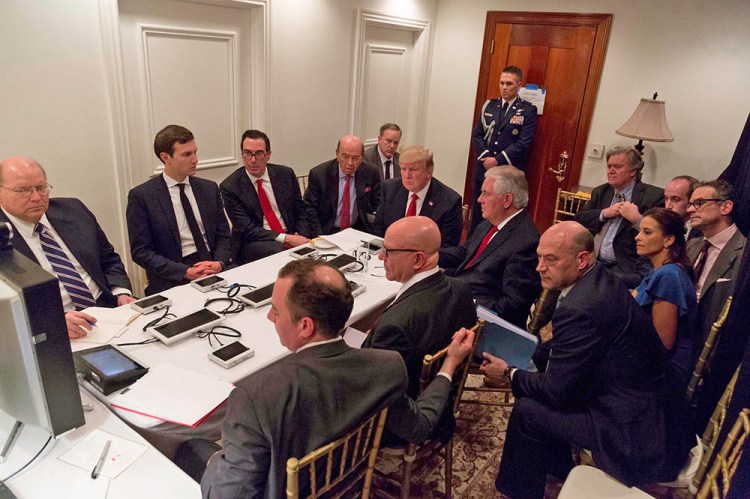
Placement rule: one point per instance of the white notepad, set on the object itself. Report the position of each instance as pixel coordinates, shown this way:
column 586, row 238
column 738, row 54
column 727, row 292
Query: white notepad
column 121, row 453
column 174, row 394
column 110, row 322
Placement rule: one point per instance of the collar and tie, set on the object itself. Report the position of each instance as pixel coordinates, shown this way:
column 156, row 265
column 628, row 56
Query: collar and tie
column 483, row 245
column 268, row 213
column 66, row 272
column 346, row 218
column 387, row 169
column 700, row 261
column 412, row 210
column 505, row 108
column 195, row 231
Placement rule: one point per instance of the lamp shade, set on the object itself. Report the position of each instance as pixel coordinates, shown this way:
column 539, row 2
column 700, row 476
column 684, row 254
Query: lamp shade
column 649, row 122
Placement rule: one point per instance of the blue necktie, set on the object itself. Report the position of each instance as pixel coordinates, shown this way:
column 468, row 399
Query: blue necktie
column 66, row 272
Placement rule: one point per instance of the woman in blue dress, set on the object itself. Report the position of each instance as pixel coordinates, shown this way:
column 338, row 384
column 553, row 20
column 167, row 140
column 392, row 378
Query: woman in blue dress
column 667, row 292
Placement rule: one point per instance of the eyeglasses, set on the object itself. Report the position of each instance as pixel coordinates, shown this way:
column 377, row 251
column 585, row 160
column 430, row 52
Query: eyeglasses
column 346, row 158
column 24, row 192
column 386, row 251
column 700, row 202
column 256, row 154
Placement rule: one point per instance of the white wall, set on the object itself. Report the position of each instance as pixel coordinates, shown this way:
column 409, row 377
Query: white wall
column 694, row 53
column 55, row 106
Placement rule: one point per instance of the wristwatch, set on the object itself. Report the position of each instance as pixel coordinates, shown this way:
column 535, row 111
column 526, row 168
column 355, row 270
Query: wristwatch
column 507, row 371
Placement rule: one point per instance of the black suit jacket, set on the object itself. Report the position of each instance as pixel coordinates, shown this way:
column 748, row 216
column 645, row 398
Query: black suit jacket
column 442, row 204
column 504, row 277
column 322, row 198
column 80, row 231
column 607, row 361
column 372, row 156
column 293, row 407
column 422, row 320
column 629, row 266
column 154, row 236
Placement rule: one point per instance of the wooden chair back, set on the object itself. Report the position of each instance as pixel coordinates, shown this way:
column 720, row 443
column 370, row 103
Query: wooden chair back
column 568, row 204
column 543, row 309
column 706, row 353
column 348, row 460
column 719, row 478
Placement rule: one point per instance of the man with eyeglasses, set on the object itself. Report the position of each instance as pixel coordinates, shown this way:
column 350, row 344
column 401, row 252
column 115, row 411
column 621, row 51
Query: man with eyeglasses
column 343, row 192
column 384, row 155
column 62, row 236
column 613, row 215
column 716, row 261
column 176, row 222
column 498, row 262
column 429, row 307
column 263, row 201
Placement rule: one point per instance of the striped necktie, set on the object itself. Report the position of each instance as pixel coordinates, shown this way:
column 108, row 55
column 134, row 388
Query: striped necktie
column 64, row 269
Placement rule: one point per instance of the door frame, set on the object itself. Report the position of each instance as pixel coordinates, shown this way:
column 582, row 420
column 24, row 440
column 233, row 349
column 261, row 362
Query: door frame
column 602, row 23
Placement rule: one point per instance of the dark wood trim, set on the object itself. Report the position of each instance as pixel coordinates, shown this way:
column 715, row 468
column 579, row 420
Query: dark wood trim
column 602, row 23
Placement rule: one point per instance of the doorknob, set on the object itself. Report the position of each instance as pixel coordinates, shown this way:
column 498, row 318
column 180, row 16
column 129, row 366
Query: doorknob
column 562, row 165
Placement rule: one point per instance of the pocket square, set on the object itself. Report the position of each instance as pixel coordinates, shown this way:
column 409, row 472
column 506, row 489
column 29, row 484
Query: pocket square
column 723, row 279
column 367, row 188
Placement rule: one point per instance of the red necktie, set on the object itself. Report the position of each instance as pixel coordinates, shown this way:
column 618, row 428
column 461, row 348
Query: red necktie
column 484, row 244
column 346, row 218
column 412, row 211
column 700, row 260
column 268, row 213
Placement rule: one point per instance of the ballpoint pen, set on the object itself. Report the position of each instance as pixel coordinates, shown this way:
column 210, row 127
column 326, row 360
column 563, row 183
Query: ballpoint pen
column 98, row 468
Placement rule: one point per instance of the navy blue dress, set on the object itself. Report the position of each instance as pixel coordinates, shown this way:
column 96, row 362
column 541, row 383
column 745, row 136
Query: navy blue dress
column 671, row 283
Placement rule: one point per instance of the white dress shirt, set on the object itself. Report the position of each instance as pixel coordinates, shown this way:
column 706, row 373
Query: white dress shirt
column 186, row 237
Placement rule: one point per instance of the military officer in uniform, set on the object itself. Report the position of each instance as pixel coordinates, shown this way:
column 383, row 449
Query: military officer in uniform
column 503, row 134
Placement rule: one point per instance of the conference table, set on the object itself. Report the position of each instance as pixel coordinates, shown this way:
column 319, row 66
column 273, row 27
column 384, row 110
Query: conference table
column 257, row 332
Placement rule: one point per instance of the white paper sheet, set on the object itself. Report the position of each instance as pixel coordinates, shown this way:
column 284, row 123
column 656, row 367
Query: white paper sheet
column 110, row 322
column 121, row 454
column 174, row 394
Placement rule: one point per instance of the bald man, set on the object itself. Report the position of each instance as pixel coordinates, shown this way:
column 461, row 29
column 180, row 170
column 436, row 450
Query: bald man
column 429, row 307
column 603, row 387
column 64, row 238
column 341, row 193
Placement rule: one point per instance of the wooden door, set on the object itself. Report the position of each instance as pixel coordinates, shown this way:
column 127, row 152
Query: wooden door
column 564, row 54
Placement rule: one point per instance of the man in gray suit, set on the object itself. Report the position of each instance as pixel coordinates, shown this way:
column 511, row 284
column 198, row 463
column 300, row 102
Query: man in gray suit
column 313, row 395
column 716, row 260
column 385, row 153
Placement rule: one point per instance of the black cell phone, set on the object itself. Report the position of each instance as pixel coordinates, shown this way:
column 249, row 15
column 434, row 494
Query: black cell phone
column 258, row 297
column 208, row 283
column 343, row 262
column 150, row 303
column 303, row 252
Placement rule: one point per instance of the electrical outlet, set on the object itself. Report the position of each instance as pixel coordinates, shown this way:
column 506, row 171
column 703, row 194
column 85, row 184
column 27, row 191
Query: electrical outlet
column 595, row 151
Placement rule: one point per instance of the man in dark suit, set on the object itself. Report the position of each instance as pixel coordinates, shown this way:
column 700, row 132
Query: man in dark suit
column 419, row 193
column 178, row 230
column 346, row 177
column 90, row 271
column 716, row 258
column 263, row 201
column 313, row 395
column 676, row 198
column 429, row 307
column 503, row 134
column 498, row 261
column 614, row 212
column 603, row 387
column 384, row 155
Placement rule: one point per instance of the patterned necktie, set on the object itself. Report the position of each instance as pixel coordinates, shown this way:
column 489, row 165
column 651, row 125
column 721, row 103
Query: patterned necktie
column 66, row 272
column 412, row 211
column 346, row 218
column 700, row 261
column 268, row 213
column 387, row 169
column 200, row 244
column 599, row 236
column 483, row 245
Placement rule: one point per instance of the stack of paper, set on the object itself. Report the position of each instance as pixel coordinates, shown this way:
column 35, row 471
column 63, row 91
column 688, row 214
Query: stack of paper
column 174, row 394
column 121, row 454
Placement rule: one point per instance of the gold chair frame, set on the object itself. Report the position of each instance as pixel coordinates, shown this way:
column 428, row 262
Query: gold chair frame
column 358, row 446
column 706, row 354
column 568, row 204
column 725, row 464
column 430, row 367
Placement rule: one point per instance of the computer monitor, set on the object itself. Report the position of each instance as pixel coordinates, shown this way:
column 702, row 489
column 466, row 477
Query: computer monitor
column 38, row 384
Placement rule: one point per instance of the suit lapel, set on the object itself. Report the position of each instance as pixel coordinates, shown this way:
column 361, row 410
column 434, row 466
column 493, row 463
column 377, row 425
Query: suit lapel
column 281, row 195
column 724, row 262
column 428, row 206
column 247, row 189
column 165, row 201
column 418, row 287
column 475, row 241
column 333, row 177
column 208, row 217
